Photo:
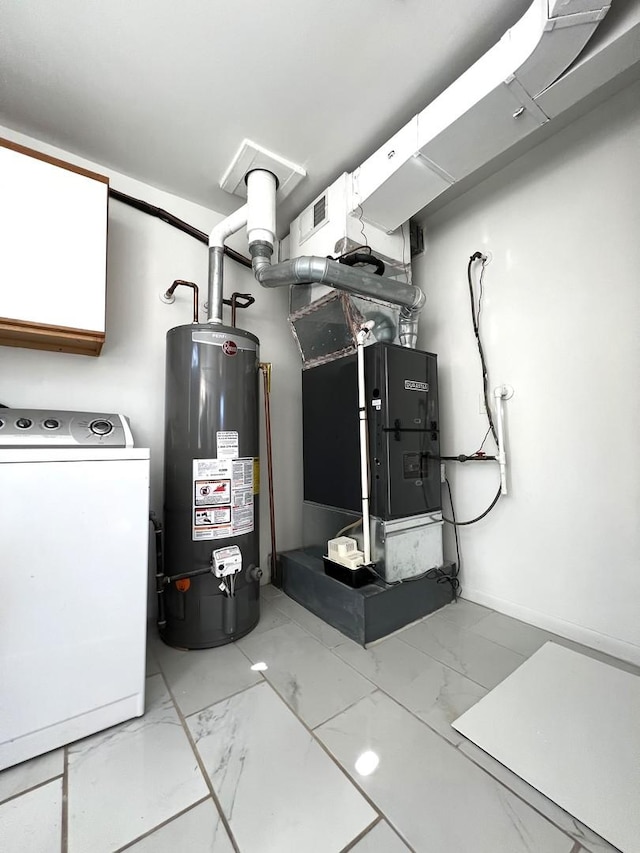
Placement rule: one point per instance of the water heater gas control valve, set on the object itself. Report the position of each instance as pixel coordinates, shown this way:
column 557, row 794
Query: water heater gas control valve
column 226, row 561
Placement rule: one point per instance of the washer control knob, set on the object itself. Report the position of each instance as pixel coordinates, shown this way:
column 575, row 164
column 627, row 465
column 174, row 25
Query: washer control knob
column 101, row 427
column 50, row 423
column 24, row 423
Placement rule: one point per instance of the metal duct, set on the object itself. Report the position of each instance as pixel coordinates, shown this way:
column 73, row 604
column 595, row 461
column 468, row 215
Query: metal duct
column 351, row 280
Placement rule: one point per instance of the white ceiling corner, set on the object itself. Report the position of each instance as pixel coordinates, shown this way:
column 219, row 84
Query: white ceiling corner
column 166, row 92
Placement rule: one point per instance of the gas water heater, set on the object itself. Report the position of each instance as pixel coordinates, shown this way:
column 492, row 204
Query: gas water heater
column 210, row 577
column 211, row 541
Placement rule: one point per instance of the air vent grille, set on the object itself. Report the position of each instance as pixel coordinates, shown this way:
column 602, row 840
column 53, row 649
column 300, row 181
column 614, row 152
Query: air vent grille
column 320, row 211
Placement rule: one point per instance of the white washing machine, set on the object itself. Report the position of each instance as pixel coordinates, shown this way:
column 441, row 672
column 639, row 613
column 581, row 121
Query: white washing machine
column 74, row 505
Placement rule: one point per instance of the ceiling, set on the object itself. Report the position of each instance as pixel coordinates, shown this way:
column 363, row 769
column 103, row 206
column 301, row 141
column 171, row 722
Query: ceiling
column 166, row 91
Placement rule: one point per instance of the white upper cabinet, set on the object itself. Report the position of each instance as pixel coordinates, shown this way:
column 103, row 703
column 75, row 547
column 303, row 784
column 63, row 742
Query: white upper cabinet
column 53, row 253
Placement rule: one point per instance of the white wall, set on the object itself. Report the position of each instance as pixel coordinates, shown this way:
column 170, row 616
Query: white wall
column 144, row 256
column 561, row 323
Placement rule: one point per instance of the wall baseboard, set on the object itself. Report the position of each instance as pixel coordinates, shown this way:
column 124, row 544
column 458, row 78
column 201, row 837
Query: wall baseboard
column 586, row 636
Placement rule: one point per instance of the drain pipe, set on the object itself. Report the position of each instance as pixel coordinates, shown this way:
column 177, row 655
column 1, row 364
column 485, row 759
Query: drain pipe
column 364, row 439
column 502, row 393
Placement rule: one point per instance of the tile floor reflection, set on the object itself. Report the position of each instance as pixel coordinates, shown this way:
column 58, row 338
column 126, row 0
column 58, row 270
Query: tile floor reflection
column 297, row 740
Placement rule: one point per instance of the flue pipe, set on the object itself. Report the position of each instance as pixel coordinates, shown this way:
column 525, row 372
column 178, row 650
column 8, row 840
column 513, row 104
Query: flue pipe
column 217, row 238
column 261, row 206
column 259, row 215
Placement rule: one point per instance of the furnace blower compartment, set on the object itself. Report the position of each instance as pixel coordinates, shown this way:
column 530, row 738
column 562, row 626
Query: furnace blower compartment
column 403, row 429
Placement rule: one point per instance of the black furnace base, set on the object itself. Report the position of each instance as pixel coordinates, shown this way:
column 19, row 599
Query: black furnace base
column 364, row 614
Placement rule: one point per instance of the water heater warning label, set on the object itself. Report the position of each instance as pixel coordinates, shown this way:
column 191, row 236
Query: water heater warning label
column 212, row 516
column 227, row 444
column 212, row 492
column 223, row 491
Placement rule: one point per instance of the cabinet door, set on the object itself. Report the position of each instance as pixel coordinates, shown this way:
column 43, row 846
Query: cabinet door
column 53, row 253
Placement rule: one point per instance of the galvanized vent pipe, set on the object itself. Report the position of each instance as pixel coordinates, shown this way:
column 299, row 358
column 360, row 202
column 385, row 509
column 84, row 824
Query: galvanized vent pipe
column 217, row 239
column 261, row 204
column 350, row 279
column 259, row 215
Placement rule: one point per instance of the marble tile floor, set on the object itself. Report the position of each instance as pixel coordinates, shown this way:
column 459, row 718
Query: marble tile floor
column 297, row 740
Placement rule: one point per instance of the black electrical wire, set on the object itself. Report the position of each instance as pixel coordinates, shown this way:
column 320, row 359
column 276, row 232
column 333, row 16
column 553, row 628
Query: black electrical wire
column 437, row 574
column 357, row 258
column 477, row 518
column 478, row 256
column 174, row 221
column 362, row 248
column 486, row 436
column 455, row 525
column 463, row 458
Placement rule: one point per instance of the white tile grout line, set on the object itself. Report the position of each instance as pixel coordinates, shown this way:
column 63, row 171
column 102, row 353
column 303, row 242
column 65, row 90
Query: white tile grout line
column 338, row 713
column 32, row 788
column 440, row 735
column 203, row 769
column 211, row 704
column 293, row 620
column 244, row 690
column 362, row 835
column 381, row 815
column 321, row 744
column 457, row 671
column 363, row 793
column 480, row 766
column 149, row 832
column 365, row 796
column 550, row 637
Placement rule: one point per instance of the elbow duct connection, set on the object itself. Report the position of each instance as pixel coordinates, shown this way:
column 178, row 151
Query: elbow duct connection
column 307, row 270
column 259, row 215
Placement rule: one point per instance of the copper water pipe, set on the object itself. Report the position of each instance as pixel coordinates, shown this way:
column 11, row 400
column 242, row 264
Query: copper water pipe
column 235, row 303
column 180, row 283
column 265, row 367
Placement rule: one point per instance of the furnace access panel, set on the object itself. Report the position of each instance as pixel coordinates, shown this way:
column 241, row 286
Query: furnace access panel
column 402, row 412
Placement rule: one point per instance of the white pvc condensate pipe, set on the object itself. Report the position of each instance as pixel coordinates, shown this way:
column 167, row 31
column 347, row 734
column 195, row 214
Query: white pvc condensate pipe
column 364, row 456
column 500, row 394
